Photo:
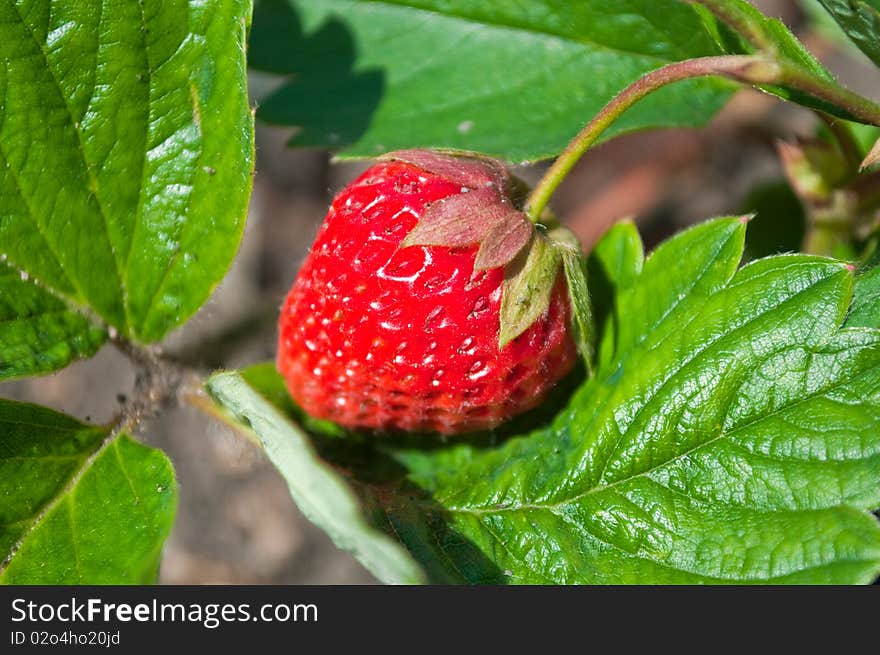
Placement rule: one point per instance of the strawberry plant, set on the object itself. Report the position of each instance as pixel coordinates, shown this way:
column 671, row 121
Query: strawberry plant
column 461, row 393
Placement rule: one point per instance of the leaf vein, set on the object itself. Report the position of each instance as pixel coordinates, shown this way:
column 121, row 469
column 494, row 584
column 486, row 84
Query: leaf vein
column 63, row 494
column 80, row 145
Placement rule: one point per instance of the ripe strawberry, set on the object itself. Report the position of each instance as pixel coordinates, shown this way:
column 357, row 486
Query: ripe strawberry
column 389, row 326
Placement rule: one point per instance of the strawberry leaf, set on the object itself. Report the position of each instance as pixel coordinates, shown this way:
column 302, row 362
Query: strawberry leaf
column 865, row 310
column 79, row 504
column 126, row 152
column 860, row 19
column 322, row 495
column 729, row 435
column 614, row 265
column 511, row 79
column 40, row 333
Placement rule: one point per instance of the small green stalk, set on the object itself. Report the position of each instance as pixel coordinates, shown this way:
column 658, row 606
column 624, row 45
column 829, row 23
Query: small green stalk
column 800, row 79
column 792, row 73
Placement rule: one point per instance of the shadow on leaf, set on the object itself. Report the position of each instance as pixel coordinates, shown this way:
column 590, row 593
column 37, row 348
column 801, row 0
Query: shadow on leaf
column 779, row 222
column 388, row 496
column 324, row 98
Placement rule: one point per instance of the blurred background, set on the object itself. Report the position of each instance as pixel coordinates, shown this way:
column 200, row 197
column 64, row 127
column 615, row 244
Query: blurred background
column 236, row 522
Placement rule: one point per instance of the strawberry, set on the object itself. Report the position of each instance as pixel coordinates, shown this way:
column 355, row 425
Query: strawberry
column 418, row 309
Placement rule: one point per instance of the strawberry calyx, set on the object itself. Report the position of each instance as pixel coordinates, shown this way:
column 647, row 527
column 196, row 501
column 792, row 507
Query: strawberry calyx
column 484, row 214
column 481, row 217
column 504, row 241
column 467, row 169
column 528, row 286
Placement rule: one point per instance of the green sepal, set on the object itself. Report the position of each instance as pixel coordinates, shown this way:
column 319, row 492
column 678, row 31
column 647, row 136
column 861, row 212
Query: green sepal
column 527, row 288
column 574, row 263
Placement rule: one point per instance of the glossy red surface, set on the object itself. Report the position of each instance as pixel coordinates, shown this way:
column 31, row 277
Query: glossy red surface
column 377, row 336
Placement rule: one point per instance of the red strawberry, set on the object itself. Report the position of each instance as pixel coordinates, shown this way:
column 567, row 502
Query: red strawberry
column 380, row 333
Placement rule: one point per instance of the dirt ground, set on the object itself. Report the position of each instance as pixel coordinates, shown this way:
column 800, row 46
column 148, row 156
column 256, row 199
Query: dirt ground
column 236, row 522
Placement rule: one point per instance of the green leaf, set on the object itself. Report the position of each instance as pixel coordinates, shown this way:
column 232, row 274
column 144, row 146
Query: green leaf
column 865, row 310
column 38, row 333
column 78, row 504
column 126, row 149
column 787, row 45
column 613, row 265
column 860, row 19
column 322, row 494
column 731, row 437
column 798, row 63
column 820, row 22
column 515, row 80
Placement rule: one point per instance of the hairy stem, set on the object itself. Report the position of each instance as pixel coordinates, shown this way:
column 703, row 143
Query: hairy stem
column 745, row 68
column 797, row 78
column 756, row 70
column 793, row 74
column 159, row 383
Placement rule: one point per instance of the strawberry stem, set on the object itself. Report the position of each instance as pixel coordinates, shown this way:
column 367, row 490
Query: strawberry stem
column 800, row 79
column 757, row 70
column 748, row 68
